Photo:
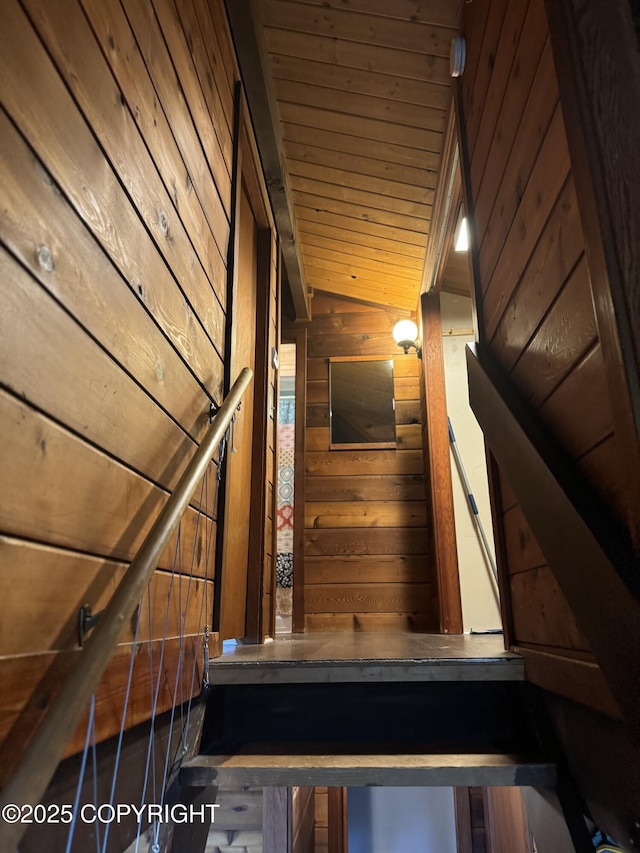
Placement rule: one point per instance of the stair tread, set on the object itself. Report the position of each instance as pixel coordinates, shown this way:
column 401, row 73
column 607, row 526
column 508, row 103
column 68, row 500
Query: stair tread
column 295, row 767
column 375, row 657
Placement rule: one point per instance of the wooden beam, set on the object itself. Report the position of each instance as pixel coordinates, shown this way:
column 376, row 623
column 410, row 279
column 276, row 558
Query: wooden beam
column 276, row 832
column 589, row 552
column 248, row 42
column 259, row 475
column 337, row 820
column 439, row 473
column 596, row 55
column 445, row 212
column 298, row 614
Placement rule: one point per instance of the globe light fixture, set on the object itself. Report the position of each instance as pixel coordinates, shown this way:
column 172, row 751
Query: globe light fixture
column 405, row 334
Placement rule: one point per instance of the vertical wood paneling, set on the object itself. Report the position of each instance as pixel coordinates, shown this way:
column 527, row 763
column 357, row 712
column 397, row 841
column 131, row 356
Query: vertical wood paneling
column 363, row 505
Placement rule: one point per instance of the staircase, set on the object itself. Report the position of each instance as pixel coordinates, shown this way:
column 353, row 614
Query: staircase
column 369, row 709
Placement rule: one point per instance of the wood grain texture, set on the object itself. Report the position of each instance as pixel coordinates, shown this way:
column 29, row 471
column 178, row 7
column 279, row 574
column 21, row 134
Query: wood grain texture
column 506, row 818
column 599, row 79
column 520, row 543
column 541, row 612
column 55, row 130
column 235, row 565
column 371, row 487
column 320, row 514
column 364, row 462
column 54, row 365
column 557, row 253
column 31, row 682
column 114, row 314
column 361, row 96
column 375, row 540
column 497, row 135
column 43, row 598
column 337, row 820
column 578, row 679
column 370, row 622
column 362, row 502
column 371, row 569
column 108, row 511
column 367, row 598
column 299, row 484
column 386, row 87
column 508, row 247
column 536, row 283
column 71, row 46
column 566, row 334
column 114, row 235
column 196, row 207
column 439, row 467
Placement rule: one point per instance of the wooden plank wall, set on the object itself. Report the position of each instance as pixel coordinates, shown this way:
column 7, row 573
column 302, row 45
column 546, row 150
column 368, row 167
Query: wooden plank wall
column 533, row 290
column 115, row 155
column 367, row 560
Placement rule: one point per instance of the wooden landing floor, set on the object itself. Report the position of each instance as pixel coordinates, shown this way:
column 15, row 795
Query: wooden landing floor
column 352, row 656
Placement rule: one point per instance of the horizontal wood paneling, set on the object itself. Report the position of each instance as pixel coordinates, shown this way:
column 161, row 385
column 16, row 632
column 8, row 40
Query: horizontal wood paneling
column 115, row 155
column 366, row 525
column 75, row 496
column 363, row 462
column 377, row 540
column 30, row 682
column 56, row 583
column 368, row 569
column 366, row 598
column 364, row 513
column 403, row 487
column 386, row 622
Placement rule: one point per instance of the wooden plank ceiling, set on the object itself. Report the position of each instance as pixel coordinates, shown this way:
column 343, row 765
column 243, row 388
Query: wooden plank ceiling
column 362, row 91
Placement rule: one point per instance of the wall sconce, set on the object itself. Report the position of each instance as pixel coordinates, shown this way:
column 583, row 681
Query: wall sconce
column 405, row 334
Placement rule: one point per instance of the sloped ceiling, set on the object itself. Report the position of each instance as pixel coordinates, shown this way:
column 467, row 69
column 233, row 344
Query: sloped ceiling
column 361, row 92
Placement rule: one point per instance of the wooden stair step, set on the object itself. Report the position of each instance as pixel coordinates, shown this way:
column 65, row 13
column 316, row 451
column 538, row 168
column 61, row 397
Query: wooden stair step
column 309, row 672
column 361, row 770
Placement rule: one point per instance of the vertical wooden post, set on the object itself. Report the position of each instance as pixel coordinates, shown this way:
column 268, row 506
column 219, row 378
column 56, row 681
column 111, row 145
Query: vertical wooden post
column 297, row 618
column 276, row 822
column 232, row 253
column 255, row 628
column 337, row 820
column 444, row 532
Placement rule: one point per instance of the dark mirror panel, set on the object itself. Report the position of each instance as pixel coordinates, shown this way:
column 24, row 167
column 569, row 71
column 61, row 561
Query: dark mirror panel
column 362, row 405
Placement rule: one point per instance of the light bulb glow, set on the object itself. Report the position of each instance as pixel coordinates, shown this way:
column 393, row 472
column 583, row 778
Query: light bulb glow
column 405, row 332
column 462, row 240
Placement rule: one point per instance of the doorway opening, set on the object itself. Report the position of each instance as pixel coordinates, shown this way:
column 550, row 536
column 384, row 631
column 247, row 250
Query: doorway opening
column 285, row 488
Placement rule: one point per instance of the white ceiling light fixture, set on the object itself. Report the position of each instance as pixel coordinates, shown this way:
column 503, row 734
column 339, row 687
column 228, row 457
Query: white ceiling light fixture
column 405, row 334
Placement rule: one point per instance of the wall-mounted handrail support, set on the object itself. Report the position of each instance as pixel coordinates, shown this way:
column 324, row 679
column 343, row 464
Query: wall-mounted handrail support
column 47, row 746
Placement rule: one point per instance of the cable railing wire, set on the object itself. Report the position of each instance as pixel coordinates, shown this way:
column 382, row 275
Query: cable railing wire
column 46, row 748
